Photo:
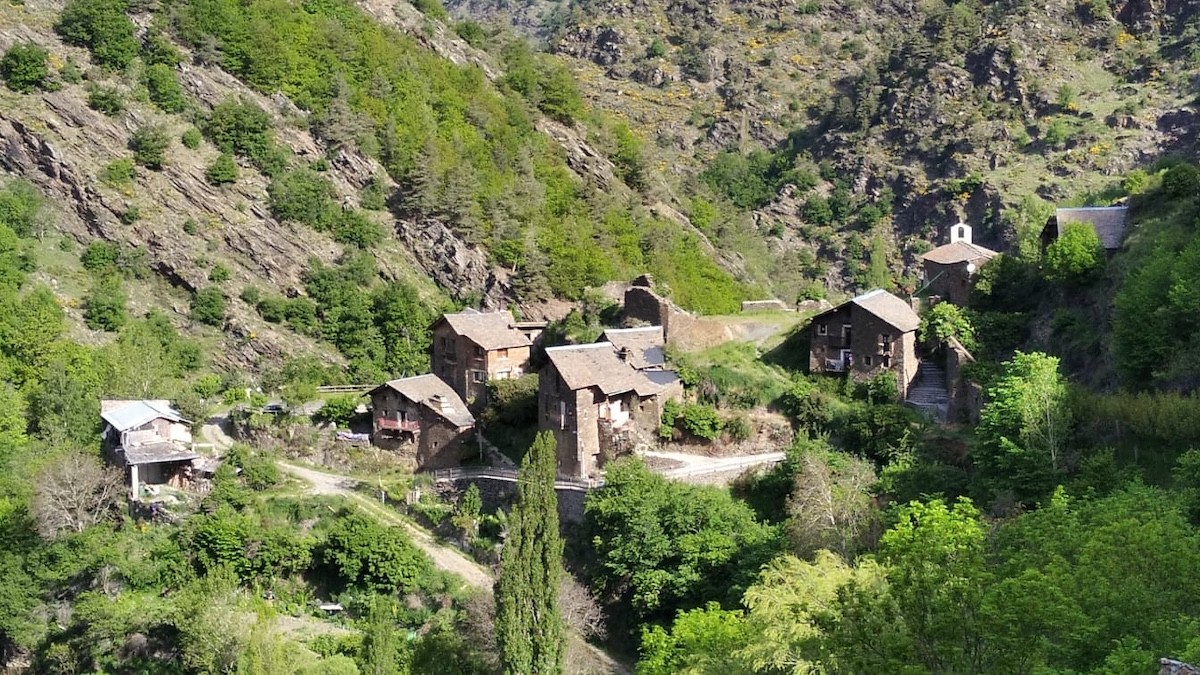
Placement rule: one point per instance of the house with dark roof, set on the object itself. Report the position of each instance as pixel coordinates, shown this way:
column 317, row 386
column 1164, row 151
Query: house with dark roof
column 643, row 348
column 1109, row 222
column 599, row 405
column 471, row 347
column 873, row 333
column 422, row 419
column 950, row 269
column 150, row 440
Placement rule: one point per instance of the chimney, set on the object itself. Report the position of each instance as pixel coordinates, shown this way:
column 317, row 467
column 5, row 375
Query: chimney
column 440, row 403
column 623, row 353
column 960, row 232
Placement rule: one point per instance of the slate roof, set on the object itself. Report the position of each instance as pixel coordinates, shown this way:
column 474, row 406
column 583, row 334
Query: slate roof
column 1108, row 221
column 423, row 389
column 886, row 307
column 957, row 252
column 645, row 345
column 597, row 365
column 489, row 330
column 126, row 415
column 161, row 451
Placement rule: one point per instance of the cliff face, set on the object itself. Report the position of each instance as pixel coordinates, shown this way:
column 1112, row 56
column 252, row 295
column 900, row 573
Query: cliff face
column 951, row 110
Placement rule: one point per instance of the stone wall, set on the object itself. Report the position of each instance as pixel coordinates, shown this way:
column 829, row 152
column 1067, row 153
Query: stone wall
column 501, row 494
column 753, row 305
column 950, row 282
column 966, row 397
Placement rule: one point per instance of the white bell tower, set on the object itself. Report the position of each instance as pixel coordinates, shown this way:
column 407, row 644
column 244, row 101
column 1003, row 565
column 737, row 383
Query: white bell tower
column 960, row 232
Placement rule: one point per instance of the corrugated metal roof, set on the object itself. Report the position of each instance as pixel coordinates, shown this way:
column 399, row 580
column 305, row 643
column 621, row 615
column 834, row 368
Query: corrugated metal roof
column 126, row 415
column 154, row 453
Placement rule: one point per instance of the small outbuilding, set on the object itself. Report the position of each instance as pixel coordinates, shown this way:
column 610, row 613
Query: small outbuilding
column 151, row 441
column 1109, row 222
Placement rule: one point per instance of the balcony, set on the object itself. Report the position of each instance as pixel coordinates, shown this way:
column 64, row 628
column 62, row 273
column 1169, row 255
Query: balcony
column 835, row 365
column 385, row 423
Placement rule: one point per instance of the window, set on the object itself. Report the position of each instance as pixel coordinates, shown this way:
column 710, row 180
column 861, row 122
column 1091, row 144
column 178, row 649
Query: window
column 886, row 362
column 502, row 353
column 867, row 360
column 822, row 329
column 962, row 233
column 478, row 376
column 478, row 352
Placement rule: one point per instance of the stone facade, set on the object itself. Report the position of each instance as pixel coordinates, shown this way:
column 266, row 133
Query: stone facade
column 598, row 406
column 467, row 365
column 429, row 428
column 951, row 282
column 966, row 397
column 850, row 339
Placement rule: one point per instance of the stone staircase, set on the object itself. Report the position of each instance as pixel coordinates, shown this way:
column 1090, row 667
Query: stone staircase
column 928, row 393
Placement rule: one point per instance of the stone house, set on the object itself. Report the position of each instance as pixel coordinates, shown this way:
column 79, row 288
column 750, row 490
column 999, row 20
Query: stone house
column 1109, row 222
column 598, row 405
column 642, row 348
column 424, row 420
column 873, row 333
column 150, row 440
column 470, row 348
column 949, row 270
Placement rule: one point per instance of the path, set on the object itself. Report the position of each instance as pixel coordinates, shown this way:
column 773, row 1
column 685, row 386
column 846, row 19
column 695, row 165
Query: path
column 701, row 465
column 215, row 431
column 445, row 557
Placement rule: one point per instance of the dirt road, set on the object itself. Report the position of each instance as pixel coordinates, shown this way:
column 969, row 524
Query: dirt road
column 445, row 557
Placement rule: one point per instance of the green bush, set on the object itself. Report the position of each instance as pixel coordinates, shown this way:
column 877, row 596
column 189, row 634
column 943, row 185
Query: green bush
column 338, row 410
column 361, row 553
column 164, row 89
column 208, row 306
column 1076, row 256
column 106, row 100
column 245, row 130
column 24, row 67
column 218, row 273
column 1181, row 181
column 149, row 144
column 103, row 27
column 302, row 195
column 191, row 138
column 944, row 321
column 471, row 33
column 104, row 304
column 70, row 72
column 222, row 171
column 432, row 9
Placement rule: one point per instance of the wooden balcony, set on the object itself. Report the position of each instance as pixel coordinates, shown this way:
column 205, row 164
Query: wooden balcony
column 385, row 423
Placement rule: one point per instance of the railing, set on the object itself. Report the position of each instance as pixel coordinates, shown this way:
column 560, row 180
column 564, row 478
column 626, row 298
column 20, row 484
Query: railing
column 397, row 425
column 510, row 476
column 835, row 365
column 344, row 388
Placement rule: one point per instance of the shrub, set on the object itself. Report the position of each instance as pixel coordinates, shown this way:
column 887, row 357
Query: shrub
column 302, row 195
column 1076, row 256
column 100, row 255
column 222, row 171
column 104, row 305
column 149, row 145
column 70, row 72
column 355, row 228
column 944, row 321
column 431, row 8
column 657, row 49
column 338, row 410
column 245, row 130
column 1181, row 181
column 24, row 67
column 739, row 428
column 119, row 172
column 164, row 89
column 106, row 100
column 218, row 273
column 208, row 306
column 362, row 553
column 471, row 33
column 191, row 138
column 103, row 27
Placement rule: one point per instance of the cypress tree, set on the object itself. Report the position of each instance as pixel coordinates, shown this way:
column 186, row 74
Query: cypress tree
column 529, row 628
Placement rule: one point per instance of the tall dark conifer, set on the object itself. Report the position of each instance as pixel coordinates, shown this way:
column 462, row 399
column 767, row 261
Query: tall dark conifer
column 529, row 628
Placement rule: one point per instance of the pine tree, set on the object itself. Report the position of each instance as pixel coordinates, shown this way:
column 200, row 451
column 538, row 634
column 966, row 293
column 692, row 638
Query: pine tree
column 529, row 627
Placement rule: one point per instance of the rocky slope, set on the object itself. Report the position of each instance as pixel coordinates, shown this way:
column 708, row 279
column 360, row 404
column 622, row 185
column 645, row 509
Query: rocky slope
column 953, row 110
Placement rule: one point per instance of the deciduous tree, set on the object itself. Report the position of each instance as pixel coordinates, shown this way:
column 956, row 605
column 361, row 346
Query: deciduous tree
column 73, row 493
